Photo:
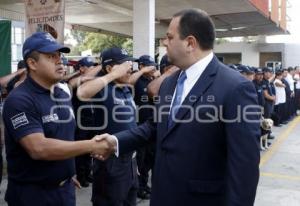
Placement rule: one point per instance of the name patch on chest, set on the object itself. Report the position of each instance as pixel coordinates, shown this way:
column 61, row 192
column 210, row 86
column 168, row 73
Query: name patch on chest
column 50, row 118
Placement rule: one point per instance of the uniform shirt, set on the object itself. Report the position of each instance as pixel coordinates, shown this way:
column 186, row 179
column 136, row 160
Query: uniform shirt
column 84, row 114
column 267, row 87
column 142, row 100
column 259, row 91
column 30, row 109
column 114, row 109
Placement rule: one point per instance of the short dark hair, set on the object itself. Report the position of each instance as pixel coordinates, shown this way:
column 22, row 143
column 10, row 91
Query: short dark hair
column 196, row 22
column 34, row 55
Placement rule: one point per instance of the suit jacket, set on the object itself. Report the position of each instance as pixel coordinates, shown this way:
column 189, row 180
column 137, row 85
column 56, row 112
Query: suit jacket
column 211, row 157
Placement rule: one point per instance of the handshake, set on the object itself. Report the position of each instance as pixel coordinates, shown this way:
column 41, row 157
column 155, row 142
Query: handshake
column 103, row 146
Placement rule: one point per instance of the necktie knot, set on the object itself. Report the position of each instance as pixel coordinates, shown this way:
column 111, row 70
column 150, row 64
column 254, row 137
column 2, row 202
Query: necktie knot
column 181, row 78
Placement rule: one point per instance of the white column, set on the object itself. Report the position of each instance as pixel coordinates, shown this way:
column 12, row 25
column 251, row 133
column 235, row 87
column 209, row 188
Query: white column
column 143, row 27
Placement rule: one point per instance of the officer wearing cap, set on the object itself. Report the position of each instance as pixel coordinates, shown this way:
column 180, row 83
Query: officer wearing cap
column 258, row 79
column 39, row 123
column 85, row 118
column 114, row 180
column 268, row 92
column 145, row 155
column 246, row 72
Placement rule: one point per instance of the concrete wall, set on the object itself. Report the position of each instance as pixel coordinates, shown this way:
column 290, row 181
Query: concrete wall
column 292, row 55
column 249, row 51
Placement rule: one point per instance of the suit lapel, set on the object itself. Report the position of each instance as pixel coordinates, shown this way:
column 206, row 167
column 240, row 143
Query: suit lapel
column 200, row 87
column 167, row 91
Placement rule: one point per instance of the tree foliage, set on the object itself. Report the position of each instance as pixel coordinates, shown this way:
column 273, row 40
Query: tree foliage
column 98, row 42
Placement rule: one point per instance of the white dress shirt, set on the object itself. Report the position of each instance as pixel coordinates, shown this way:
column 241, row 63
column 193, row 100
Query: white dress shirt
column 290, row 80
column 193, row 73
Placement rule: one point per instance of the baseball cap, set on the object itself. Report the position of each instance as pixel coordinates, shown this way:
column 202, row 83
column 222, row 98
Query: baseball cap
column 42, row 42
column 244, row 69
column 258, row 71
column 146, row 60
column 164, row 62
column 115, row 55
column 232, row 66
column 86, row 61
column 267, row 69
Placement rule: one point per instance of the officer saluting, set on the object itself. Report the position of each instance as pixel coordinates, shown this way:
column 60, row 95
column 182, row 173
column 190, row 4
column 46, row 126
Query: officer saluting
column 40, row 131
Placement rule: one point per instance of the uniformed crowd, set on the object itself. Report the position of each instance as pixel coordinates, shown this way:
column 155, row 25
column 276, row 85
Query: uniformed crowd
column 278, row 91
column 46, row 109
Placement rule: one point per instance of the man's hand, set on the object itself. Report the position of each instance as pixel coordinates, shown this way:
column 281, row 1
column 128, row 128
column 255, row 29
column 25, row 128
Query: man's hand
column 104, row 146
column 148, row 70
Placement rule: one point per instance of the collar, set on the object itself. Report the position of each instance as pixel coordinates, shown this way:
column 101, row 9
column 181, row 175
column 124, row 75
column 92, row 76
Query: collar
column 35, row 86
column 195, row 71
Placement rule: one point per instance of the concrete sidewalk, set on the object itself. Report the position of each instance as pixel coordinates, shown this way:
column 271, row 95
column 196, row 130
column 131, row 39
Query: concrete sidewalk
column 279, row 183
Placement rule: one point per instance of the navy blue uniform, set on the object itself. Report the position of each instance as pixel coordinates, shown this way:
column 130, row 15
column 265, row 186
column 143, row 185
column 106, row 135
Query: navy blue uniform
column 259, row 91
column 268, row 107
column 115, row 180
column 30, row 109
column 145, row 155
column 85, row 120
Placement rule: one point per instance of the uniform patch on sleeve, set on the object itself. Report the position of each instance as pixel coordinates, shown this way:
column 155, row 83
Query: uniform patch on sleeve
column 19, row 120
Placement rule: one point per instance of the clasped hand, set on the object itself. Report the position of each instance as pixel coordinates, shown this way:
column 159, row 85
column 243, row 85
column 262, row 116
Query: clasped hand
column 104, row 145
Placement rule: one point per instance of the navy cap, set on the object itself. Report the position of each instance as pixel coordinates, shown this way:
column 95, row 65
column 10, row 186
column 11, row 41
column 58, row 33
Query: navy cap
column 146, row 60
column 267, row 69
column 86, row 61
column 232, row 66
column 258, row 71
column 245, row 69
column 42, row 42
column 164, row 62
column 115, row 55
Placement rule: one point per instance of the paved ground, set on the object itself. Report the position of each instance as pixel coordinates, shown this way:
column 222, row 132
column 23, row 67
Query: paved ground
column 279, row 183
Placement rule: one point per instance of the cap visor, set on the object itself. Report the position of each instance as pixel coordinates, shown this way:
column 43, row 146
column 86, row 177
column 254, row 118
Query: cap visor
column 151, row 64
column 54, row 48
column 127, row 59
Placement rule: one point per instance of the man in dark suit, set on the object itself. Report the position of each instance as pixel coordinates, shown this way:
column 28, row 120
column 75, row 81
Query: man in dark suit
column 207, row 130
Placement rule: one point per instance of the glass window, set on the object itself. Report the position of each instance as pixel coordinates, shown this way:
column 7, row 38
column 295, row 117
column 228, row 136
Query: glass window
column 19, row 35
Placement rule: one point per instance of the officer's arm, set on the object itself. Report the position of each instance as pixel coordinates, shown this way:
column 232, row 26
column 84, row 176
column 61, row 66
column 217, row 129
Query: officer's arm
column 90, row 88
column 41, row 148
column 135, row 76
column 267, row 96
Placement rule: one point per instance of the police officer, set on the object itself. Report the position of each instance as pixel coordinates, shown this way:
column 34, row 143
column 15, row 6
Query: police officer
column 258, row 79
column 114, row 180
column 85, row 119
column 246, row 72
column 268, row 92
column 145, row 155
column 39, row 123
